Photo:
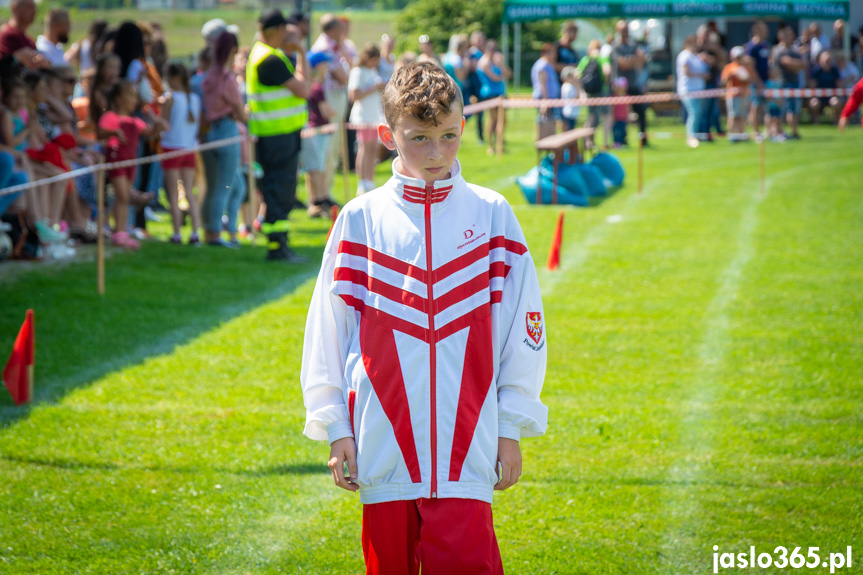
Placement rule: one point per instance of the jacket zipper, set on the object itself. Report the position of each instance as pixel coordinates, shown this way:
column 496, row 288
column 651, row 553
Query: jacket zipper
column 432, row 344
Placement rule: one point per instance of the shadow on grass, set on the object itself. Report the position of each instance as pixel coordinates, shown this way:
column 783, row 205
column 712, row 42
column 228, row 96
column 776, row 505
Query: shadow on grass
column 155, row 300
column 653, row 482
column 596, row 201
column 304, row 468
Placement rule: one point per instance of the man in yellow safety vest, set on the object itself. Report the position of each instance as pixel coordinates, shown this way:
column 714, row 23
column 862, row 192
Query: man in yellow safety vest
column 277, row 99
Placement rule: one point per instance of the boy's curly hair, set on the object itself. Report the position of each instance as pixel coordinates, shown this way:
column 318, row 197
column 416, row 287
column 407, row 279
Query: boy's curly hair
column 420, row 90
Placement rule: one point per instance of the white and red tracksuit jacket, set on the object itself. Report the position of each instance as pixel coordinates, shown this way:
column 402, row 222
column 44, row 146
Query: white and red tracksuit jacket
column 425, row 339
column 854, row 101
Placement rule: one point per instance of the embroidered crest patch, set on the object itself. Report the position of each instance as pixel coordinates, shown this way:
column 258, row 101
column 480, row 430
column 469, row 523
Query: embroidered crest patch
column 534, row 326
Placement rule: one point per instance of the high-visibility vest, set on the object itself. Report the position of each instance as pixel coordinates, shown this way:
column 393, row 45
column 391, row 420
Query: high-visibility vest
column 274, row 109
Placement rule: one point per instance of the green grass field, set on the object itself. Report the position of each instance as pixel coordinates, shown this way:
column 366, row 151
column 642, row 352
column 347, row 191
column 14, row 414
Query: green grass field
column 704, row 385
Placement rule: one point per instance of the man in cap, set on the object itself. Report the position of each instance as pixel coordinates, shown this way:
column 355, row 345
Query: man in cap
column 277, row 100
column 211, row 30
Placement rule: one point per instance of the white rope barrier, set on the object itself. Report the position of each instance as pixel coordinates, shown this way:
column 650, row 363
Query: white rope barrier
column 511, row 103
column 805, row 92
column 651, row 98
column 122, row 164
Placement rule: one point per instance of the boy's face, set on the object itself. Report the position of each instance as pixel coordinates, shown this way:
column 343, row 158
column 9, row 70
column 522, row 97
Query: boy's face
column 426, row 151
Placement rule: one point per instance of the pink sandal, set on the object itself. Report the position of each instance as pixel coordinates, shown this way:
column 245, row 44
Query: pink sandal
column 123, row 240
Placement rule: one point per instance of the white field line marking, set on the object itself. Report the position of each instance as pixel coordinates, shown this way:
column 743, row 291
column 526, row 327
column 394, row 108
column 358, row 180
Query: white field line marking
column 698, row 423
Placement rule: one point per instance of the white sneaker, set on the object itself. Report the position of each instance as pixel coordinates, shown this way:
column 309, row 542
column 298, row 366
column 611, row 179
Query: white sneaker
column 151, row 216
column 370, row 185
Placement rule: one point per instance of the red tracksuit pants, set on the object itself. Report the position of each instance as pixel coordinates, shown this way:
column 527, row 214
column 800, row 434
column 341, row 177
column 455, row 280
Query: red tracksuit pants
column 445, row 536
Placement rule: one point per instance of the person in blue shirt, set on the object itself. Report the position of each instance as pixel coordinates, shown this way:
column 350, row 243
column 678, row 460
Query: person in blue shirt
column 546, row 86
column 492, row 72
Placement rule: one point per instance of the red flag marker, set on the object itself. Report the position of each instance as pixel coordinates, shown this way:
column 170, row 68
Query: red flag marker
column 554, row 252
column 18, row 373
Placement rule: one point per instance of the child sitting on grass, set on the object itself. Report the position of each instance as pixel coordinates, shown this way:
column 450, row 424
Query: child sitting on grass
column 425, row 348
column 123, row 132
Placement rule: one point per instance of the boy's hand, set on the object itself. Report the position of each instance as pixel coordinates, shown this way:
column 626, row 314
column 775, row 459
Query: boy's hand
column 508, row 462
column 345, row 450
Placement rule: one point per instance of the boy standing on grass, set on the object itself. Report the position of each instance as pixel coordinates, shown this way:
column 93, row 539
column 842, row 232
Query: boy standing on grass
column 425, row 347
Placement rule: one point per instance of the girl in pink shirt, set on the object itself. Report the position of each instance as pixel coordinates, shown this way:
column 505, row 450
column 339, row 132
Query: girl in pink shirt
column 123, row 131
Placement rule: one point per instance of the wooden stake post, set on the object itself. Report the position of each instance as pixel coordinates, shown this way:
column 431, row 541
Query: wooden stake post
column 100, row 237
column 641, row 162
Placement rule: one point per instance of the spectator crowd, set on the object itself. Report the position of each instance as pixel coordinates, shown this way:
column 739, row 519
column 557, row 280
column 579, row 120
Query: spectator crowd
column 620, row 67
column 115, row 95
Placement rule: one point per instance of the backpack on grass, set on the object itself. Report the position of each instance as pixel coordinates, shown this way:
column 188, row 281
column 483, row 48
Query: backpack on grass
column 25, row 239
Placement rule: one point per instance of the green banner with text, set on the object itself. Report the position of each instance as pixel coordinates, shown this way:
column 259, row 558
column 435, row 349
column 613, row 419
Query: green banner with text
column 531, row 10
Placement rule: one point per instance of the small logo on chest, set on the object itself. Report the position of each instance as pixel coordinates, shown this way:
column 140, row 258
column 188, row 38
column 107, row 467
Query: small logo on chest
column 470, row 237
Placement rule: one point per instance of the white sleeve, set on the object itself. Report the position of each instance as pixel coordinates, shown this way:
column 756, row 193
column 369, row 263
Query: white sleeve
column 524, row 351
column 329, row 327
column 355, row 79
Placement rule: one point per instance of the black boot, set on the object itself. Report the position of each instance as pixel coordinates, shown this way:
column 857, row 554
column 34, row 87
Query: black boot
column 280, row 252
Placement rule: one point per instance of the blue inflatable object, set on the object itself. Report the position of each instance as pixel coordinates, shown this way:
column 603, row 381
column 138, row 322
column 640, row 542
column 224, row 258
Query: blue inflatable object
column 528, row 185
column 567, row 176
column 610, row 167
column 592, row 178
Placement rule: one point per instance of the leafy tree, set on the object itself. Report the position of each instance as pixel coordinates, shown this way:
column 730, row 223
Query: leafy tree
column 442, row 18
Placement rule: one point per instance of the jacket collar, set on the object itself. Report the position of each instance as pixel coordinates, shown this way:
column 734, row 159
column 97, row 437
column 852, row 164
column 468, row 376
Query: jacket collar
column 413, row 190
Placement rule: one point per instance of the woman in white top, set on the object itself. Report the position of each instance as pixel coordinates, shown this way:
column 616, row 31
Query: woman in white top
column 364, row 86
column 182, row 109
column 692, row 74
column 83, row 53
